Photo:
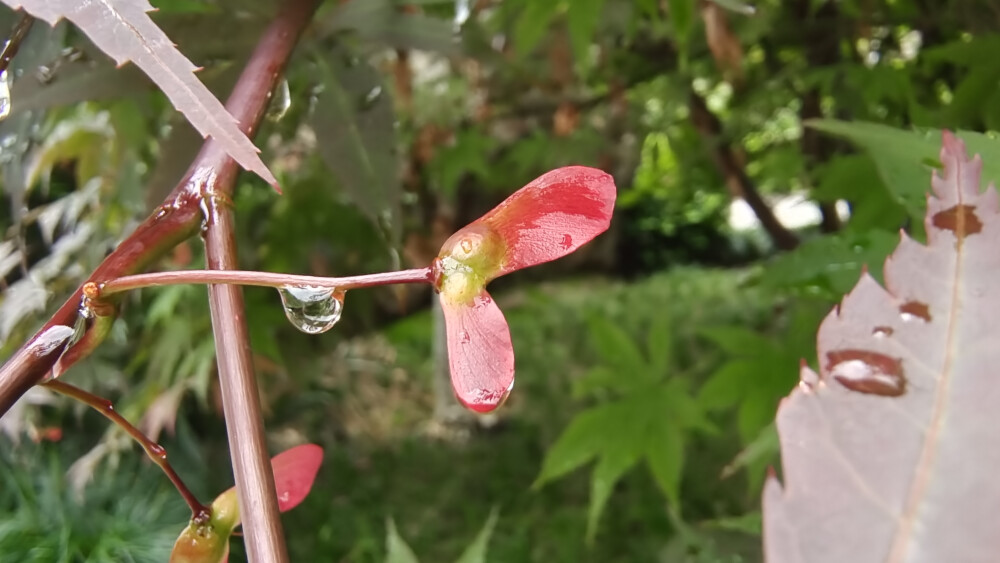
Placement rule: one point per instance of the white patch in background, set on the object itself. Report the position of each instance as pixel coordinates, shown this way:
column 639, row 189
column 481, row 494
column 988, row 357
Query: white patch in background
column 794, row 211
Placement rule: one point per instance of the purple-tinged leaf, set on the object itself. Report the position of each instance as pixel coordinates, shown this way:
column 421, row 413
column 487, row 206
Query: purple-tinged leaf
column 124, row 31
column 890, row 452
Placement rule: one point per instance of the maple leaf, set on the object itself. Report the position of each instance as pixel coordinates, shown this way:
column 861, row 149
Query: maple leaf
column 550, row 217
column 125, row 32
column 890, row 452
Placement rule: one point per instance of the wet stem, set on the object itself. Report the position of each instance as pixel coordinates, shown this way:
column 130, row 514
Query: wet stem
column 199, row 512
column 98, row 291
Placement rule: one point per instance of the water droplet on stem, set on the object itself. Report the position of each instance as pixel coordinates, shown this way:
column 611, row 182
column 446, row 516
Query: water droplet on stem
column 281, row 101
column 370, row 98
column 312, row 309
column 5, row 102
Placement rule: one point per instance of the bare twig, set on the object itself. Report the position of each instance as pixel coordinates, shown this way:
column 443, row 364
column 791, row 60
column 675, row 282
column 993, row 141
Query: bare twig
column 199, row 512
column 21, row 29
column 259, row 279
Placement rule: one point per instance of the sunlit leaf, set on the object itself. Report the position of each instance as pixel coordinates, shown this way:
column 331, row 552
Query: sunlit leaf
column 660, row 345
column 905, row 159
column 618, row 458
column 582, row 440
column 831, row 264
column 666, row 457
column 476, row 551
column 397, row 551
column 618, row 350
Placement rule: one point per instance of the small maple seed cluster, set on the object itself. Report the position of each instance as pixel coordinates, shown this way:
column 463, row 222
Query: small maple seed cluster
column 549, row 218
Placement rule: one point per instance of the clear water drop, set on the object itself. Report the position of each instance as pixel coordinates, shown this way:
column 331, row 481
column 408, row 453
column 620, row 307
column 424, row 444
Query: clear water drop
column 312, row 309
column 4, row 94
column 370, row 98
column 281, row 101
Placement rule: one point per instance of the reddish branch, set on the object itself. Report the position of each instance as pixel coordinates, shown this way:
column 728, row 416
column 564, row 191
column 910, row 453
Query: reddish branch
column 155, row 451
column 214, row 177
column 730, row 166
column 21, row 29
column 211, row 176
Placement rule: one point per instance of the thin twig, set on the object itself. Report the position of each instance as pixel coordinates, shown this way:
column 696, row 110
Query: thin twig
column 156, row 452
column 259, row 279
column 21, row 29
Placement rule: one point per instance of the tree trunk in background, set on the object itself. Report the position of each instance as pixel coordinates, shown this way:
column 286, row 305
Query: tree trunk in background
column 821, row 51
column 731, row 168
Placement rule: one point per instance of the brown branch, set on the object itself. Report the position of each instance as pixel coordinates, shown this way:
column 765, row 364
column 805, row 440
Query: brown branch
column 173, row 222
column 156, row 452
column 258, row 499
column 212, row 174
column 821, row 50
column 730, row 166
column 10, row 48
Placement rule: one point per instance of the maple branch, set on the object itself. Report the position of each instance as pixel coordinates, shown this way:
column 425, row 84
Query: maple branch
column 10, row 48
column 156, row 452
column 258, row 499
column 211, row 174
column 259, row 279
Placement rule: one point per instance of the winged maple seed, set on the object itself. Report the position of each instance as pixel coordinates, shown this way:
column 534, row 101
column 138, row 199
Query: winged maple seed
column 890, row 452
column 549, row 218
column 207, row 540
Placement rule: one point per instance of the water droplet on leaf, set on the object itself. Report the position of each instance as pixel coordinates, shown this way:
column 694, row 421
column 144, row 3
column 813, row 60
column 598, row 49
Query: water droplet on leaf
column 312, row 309
column 464, row 337
column 914, row 310
column 567, row 241
column 866, row 371
column 488, row 400
column 882, row 331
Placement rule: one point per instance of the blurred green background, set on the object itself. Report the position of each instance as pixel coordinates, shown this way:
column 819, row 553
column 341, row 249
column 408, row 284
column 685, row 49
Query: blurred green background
column 764, row 156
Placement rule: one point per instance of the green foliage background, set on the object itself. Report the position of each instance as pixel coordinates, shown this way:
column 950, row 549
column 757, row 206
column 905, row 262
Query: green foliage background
column 649, row 365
